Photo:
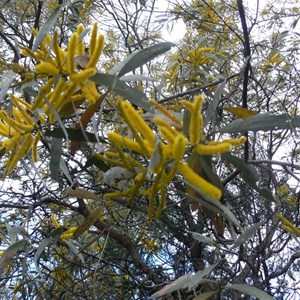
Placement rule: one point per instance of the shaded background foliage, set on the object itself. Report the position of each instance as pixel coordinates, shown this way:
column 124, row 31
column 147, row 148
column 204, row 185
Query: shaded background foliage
column 251, row 63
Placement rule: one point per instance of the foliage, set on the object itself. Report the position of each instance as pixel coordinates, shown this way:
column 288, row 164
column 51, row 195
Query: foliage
column 135, row 168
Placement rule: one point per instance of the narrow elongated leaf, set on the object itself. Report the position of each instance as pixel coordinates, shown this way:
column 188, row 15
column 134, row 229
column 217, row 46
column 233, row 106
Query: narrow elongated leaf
column 73, row 134
column 137, row 77
column 75, row 250
column 10, row 252
column 176, row 285
column 47, row 26
column 205, row 296
column 263, row 122
column 185, row 281
column 212, row 106
column 197, row 277
column 213, row 205
column 100, row 164
column 7, row 79
column 247, row 234
column 140, row 57
column 204, row 239
column 134, row 95
column 56, row 152
column 88, row 222
column 42, row 246
column 248, row 172
column 250, row 290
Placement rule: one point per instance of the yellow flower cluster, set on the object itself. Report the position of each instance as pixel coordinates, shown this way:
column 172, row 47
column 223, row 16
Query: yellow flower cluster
column 68, row 234
column 288, row 225
column 65, row 87
column 166, row 153
column 17, row 131
column 66, row 83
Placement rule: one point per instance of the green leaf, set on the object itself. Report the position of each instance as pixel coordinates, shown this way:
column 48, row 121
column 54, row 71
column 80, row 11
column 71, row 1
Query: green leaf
column 47, row 26
column 248, row 172
column 250, row 290
column 56, row 152
column 247, row 234
column 205, row 296
column 75, row 250
column 140, row 57
column 100, row 164
column 7, row 79
column 10, row 252
column 213, row 205
column 155, row 159
column 263, row 122
column 43, row 244
column 197, row 277
column 88, row 222
column 212, row 106
column 73, row 134
column 204, row 239
column 137, row 77
column 176, row 285
column 134, row 95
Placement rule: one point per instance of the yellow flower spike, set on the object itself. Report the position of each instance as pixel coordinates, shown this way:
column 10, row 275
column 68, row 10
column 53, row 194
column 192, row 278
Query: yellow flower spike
column 66, row 236
column 19, row 154
column 124, row 193
column 172, row 133
column 28, row 52
column 162, row 202
column 34, row 151
column 167, row 135
column 16, row 125
column 4, row 129
column 57, row 50
column 59, row 88
column 134, row 120
column 168, row 151
column 153, row 195
column 80, row 46
column 10, row 144
column 45, row 89
column 160, row 164
column 70, row 230
column 123, row 158
column 196, row 120
column 171, row 174
column 97, row 52
column 166, row 112
column 213, row 149
column 179, row 147
column 22, row 101
column 234, row 142
column 54, row 221
column 195, row 180
column 26, row 117
column 46, row 68
column 133, row 162
column 17, row 115
column 287, row 223
column 90, row 92
column 137, row 183
column 80, row 77
column 126, row 142
column 80, row 28
column 93, row 39
column 72, row 52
